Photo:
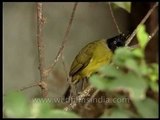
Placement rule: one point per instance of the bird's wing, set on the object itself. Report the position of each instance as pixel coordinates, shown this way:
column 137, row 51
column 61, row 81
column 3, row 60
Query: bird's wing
column 82, row 59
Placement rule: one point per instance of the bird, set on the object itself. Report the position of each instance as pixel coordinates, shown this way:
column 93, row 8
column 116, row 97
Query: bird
column 93, row 56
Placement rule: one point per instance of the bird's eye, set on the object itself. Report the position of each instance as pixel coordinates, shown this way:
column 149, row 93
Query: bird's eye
column 115, row 42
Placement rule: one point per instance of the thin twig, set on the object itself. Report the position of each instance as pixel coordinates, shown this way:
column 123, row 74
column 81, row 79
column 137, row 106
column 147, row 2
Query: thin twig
column 27, row 87
column 93, row 95
column 64, row 40
column 67, row 76
column 40, row 44
column 113, row 17
column 154, row 32
column 150, row 37
column 142, row 22
column 133, row 46
column 79, row 98
column 64, row 65
column 65, row 69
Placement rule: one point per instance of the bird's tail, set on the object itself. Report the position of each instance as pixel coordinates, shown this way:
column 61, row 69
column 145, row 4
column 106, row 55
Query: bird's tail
column 67, row 93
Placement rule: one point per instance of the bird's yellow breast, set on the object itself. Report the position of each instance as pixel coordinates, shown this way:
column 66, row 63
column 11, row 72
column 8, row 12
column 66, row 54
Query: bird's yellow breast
column 101, row 55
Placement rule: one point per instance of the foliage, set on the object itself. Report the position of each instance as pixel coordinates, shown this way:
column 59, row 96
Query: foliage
column 131, row 73
column 17, row 106
column 124, row 5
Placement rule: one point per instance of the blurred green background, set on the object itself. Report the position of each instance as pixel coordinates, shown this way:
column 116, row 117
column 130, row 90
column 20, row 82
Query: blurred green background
column 92, row 21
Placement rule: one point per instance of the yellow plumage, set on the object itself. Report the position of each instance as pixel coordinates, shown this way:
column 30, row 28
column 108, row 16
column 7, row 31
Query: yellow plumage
column 93, row 56
column 89, row 59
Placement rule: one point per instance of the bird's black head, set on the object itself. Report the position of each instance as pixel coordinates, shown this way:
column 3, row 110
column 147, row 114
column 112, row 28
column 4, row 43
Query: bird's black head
column 117, row 41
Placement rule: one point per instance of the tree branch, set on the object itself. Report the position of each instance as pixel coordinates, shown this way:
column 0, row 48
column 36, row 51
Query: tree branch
column 113, row 17
column 90, row 99
column 40, row 45
column 79, row 98
column 142, row 22
column 63, row 42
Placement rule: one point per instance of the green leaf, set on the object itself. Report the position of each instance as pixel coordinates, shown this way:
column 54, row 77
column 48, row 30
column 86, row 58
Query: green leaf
column 98, row 82
column 121, row 55
column 15, row 105
column 40, row 108
column 136, row 85
column 153, row 77
column 143, row 37
column 116, row 113
column 143, row 68
column 138, row 52
column 110, row 71
column 147, row 108
column 154, row 72
column 132, row 65
column 60, row 114
column 124, row 5
column 154, row 86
